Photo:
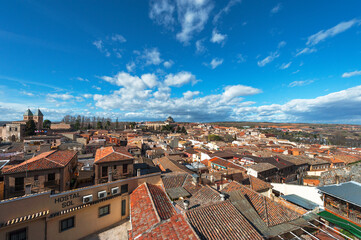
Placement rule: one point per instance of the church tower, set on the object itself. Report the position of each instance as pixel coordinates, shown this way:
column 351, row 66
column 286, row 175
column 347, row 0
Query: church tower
column 38, row 119
column 28, row 115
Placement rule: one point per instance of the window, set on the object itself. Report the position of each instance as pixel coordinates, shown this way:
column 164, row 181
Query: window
column 36, row 177
column 115, row 167
column 66, row 224
column 125, row 168
column 19, row 184
column 124, row 207
column 104, row 171
column 51, row 176
column 104, row 210
column 124, row 188
column 18, row 234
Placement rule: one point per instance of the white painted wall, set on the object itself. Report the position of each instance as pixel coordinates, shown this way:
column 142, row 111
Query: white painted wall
column 306, row 192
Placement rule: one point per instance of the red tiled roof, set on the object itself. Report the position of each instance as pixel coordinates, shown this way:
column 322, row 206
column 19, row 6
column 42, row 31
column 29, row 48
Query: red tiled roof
column 271, row 212
column 154, row 217
column 221, row 221
column 46, row 160
column 223, row 162
column 174, row 228
column 111, row 154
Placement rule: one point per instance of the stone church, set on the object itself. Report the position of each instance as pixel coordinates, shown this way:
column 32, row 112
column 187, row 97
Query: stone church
column 14, row 132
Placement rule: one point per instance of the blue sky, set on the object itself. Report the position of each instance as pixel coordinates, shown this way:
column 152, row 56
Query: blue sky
column 197, row 60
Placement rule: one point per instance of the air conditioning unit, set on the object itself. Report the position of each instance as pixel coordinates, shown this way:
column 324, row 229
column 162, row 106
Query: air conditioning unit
column 88, row 198
column 115, row 190
column 102, row 194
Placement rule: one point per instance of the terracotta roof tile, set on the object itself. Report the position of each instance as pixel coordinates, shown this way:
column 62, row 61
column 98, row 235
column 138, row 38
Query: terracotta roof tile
column 154, row 217
column 271, row 212
column 47, row 160
column 221, row 221
column 111, row 154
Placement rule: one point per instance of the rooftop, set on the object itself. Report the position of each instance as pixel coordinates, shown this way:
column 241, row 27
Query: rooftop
column 348, row 191
column 111, row 154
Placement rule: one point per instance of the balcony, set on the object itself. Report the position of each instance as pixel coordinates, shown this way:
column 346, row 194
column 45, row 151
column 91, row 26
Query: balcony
column 341, row 210
column 52, row 184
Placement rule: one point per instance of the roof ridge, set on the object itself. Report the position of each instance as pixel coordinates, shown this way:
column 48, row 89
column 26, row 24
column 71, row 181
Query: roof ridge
column 29, row 161
column 153, row 205
column 53, row 160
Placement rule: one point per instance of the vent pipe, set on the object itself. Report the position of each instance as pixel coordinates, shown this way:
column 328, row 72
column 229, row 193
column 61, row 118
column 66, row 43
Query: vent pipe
column 110, row 175
column 186, row 204
column 138, row 172
column 223, row 196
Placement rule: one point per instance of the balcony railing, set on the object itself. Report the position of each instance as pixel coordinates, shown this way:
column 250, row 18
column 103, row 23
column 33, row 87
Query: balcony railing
column 353, row 216
column 52, row 184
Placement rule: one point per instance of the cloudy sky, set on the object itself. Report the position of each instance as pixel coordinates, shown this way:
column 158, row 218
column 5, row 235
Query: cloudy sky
column 196, row 60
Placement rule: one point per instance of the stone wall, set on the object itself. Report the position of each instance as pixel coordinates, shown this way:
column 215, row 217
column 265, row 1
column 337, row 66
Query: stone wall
column 340, row 175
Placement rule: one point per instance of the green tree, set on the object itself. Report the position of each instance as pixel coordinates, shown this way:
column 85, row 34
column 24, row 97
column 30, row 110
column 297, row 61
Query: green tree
column 46, row 123
column 30, row 128
column 132, row 125
column 116, row 124
column 77, row 124
column 184, row 130
column 99, row 125
column 107, row 125
column 213, row 137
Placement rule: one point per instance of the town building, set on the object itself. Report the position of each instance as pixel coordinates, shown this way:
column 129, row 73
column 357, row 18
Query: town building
column 112, row 163
column 54, row 170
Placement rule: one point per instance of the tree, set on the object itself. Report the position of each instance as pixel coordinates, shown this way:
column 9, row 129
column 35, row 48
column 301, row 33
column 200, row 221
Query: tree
column 184, row 130
column 46, row 123
column 77, row 124
column 116, row 124
column 30, row 128
column 99, row 125
column 213, row 137
column 107, row 125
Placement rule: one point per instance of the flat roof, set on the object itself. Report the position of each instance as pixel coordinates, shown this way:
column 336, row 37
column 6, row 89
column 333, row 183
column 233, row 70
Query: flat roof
column 348, row 191
column 300, row 201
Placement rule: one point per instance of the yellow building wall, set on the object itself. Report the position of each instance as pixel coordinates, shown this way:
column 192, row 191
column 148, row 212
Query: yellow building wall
column 87, row 220
column 35, row 230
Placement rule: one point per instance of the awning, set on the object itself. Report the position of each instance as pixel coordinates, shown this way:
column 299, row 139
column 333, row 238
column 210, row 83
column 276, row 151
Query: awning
column 299, row 201
column 342, row 223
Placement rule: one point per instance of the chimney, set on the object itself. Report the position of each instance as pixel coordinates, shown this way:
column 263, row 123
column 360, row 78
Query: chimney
column 186, row 204
column 110, row 175
column 27, row 189
column 223, row 196
column 138, row 172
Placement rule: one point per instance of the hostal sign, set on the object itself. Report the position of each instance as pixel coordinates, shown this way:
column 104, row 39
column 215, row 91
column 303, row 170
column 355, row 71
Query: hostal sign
column 67, row 200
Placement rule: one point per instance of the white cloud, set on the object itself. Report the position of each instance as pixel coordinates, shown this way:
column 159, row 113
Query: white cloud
column 281, row 44
column 268, row 59
column 285, row 65
column 96, row 87
column 64, row 96
column 218, row 37
column 190, row 94
column 100, row 46
column 180, row 79
column 200, row 48
column 87, row 95
column 151, row 56
column 82, row 79
column 241, row 58
column 216, row 62
column 161, row 11
column 192, row 15
column 118, row 38
column 225, row 10
column 300, row 83
column 351, row 74
column 168, row 64
column 331, row 32
column 337, row 107
column 27, row 93
column 276, row 8
column 235, row 91
column 130, row 66
column 306, row 51
column 130, row 82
